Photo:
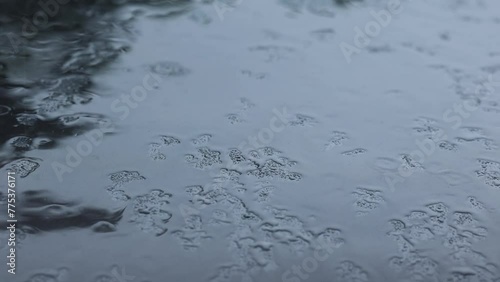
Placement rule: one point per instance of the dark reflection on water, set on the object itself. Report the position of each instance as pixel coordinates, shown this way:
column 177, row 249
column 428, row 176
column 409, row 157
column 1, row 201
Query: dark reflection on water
column 43, row 211
column 48, row 56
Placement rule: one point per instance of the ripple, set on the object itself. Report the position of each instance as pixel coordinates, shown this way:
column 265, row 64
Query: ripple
column 24, row 167
column 169, row 69
column 150, row 212
column 4, row 110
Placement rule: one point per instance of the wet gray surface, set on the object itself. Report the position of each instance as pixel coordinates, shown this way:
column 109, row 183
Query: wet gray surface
column 252, row 140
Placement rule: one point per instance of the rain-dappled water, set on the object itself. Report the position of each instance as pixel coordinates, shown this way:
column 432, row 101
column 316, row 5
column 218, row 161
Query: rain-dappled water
column 250, row 140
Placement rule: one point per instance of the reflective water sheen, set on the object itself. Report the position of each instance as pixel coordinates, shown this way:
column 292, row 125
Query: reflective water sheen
column 251, row 140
